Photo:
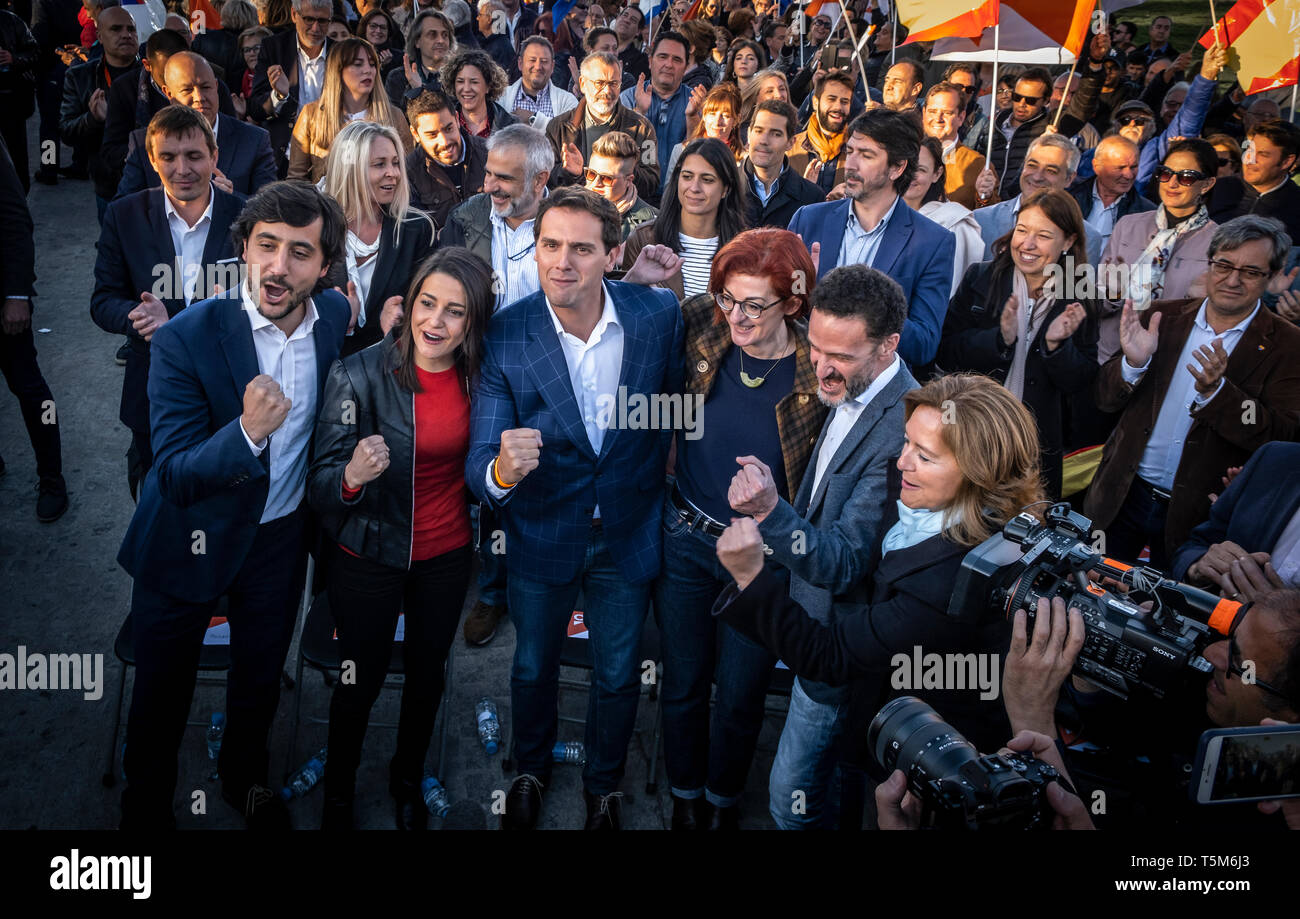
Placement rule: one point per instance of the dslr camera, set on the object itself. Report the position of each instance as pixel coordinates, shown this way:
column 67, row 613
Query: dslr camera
column 1127, row 648
column 957, row 786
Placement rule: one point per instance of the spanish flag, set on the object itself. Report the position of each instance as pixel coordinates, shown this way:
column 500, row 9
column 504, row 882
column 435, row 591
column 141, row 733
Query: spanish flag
column 927, row 20
column 693, row 10
column 1263, row 39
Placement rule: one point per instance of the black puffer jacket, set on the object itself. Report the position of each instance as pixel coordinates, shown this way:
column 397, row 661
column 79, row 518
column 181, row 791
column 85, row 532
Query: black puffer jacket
column 363, row 397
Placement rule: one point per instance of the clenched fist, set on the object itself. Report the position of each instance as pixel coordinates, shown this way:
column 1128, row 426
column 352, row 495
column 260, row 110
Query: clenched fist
column 521, row 450
column 265, row 408
column 369, row 460
column 740, row 549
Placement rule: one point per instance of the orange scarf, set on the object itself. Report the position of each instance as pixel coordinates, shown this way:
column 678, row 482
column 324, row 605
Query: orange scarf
column 826, row 146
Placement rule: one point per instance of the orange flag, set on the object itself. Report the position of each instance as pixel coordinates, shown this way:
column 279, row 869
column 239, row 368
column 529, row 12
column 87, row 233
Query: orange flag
column 1263, row 39
column 927, row 20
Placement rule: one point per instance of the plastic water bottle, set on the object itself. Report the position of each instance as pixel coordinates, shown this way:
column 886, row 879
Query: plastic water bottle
column 489, row 728
column 306, row 778
column 435, row 796
column 216, row 728
column 569, row 751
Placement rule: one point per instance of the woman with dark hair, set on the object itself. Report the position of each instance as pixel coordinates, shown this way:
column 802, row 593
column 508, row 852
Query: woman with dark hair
column 380, row 29
column 969, row 465
column 926, row 196
column 703, row 209
column 430, row 43
column 744, row 59
column 476, row 81
column 1014, row 319
column 748, row 360
column 349, row 92
column 388, row 481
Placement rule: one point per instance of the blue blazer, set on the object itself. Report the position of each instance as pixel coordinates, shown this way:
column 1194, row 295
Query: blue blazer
column 243, row 155
column 524, row 383
column 1254, row 510
column 135, row 246
column 206, row 488
column 915, row 251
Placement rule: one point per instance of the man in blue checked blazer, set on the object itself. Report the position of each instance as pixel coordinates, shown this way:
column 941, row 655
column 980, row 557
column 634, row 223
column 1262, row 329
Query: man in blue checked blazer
column 577, row 473
column 872, row 225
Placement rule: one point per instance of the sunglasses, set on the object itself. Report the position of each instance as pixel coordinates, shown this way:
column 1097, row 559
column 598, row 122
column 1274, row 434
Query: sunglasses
column 1224, row 162
column 1028, row 100
column 1127, row 120
column 1185, row 177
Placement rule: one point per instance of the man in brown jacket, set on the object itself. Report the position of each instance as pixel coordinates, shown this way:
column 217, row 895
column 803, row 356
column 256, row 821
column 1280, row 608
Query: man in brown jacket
column 943, row 117
column 1202, row 385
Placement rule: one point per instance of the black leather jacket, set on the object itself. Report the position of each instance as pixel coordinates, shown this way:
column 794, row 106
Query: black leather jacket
column 362, row 397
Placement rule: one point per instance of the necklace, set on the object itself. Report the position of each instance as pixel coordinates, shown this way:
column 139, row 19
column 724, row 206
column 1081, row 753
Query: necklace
column 755, row 382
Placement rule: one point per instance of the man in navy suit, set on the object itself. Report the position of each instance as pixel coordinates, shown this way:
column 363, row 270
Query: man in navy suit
column 233, row 398
column 1251, row 543
column 244, row 159
column 872, row 225
column 290, row 73
column 556, row 444
column 158, row 252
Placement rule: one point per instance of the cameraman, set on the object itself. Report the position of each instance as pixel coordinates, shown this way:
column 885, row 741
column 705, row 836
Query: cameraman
column 1140, row 751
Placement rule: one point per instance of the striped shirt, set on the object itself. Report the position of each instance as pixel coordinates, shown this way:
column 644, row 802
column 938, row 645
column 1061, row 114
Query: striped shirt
column 698, row 262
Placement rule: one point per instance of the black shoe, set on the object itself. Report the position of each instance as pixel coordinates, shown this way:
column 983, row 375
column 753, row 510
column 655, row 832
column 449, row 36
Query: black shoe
column 120, row 357
column 523, row 803
column 723, row 818
column 52, row 500
column 408, row 805
column 46, row 177
column 686, row 813
column 263, row 809
column 604, row 812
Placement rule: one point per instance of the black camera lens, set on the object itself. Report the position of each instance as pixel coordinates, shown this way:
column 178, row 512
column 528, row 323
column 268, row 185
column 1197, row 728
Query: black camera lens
column 908, row 734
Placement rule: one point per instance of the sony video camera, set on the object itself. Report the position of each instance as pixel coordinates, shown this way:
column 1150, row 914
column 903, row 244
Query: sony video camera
column 1127, row 648
column 957, row 786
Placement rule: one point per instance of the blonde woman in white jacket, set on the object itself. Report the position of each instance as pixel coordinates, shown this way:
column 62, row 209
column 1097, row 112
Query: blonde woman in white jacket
column 926, row 196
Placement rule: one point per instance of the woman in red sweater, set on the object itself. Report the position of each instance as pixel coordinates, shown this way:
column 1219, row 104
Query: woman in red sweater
column 388, row 480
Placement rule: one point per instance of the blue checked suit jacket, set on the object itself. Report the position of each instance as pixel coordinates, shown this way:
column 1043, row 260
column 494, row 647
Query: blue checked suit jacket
column 524, row 383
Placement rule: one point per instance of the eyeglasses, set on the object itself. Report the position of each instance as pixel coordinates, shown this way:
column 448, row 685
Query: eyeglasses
column 602, row 85
column 597, row 178
column 753, row 309
column 1236, row 669
column 1126, row 120
column 1028, row 100
column 1222, row 269
column 1224, row 161
column 318, row 21
column 1185, row 177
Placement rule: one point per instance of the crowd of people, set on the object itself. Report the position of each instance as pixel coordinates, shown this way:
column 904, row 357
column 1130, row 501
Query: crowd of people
column 383, row 279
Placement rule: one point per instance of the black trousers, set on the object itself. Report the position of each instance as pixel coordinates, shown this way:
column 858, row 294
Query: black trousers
column 366, row 599
column 23, row 374
column 14, row 131
column 168, row 637
column 49, row 99
column 139, row 460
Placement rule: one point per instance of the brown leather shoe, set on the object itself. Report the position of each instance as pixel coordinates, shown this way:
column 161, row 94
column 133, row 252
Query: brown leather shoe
column 481, row 623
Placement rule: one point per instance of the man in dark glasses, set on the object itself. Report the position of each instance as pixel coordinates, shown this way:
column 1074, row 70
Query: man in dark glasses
column 1270, row 157
column 1015, row 128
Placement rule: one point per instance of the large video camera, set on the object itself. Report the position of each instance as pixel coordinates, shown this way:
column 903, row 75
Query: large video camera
column 1127, row 648
column 958, row 788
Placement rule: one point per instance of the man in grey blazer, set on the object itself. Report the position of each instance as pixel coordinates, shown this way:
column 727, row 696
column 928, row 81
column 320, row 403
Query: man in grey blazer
column 826, row 536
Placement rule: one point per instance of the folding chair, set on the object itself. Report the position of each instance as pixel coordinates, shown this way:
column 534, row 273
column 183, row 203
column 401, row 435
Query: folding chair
column 318, row 648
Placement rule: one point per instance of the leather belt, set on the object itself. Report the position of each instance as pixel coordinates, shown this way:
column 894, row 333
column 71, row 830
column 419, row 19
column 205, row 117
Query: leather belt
column 1158, row 493
column 695, row 518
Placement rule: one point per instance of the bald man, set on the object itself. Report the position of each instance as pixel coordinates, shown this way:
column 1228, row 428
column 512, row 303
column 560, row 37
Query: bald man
column 245, row 160
column 1113, row 192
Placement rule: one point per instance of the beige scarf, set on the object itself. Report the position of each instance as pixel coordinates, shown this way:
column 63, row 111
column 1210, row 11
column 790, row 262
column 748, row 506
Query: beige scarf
column 1028, row 321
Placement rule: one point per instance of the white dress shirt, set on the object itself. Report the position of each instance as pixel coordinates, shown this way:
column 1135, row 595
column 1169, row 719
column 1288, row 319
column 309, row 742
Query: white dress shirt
column 311, row 78
column 1165, row 446
column 860, row 246
column 595, row 366
column 514, row 267
column 846, row 415
column 188, row 243
column 291, row 362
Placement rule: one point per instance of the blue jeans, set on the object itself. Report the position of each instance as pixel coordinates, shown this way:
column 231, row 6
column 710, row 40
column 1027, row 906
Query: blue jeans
column 614, row 611
column 702, row 758
column 492, row 565
column 806, row 762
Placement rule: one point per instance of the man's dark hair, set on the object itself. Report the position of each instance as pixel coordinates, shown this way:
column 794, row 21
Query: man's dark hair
column 918, row 74
column 1207, row 158
column 296, row 203
column 784, row 110
column 670, row 35
column 963, row 67
column 900, row 135
column 1165, row 18
column 1037, row 75
column 594, row 35
column 1286, row 604
column 537, row 40
column 176, row 121
column 843, row 77
column 769, row 29
column 1281, row 134
column 428, row 102
column 576, row 198
column 862, row 292
column 161, row 45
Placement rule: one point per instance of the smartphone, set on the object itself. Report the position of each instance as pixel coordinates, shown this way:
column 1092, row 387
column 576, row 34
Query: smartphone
column 1237, row 765
column 836, row 56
